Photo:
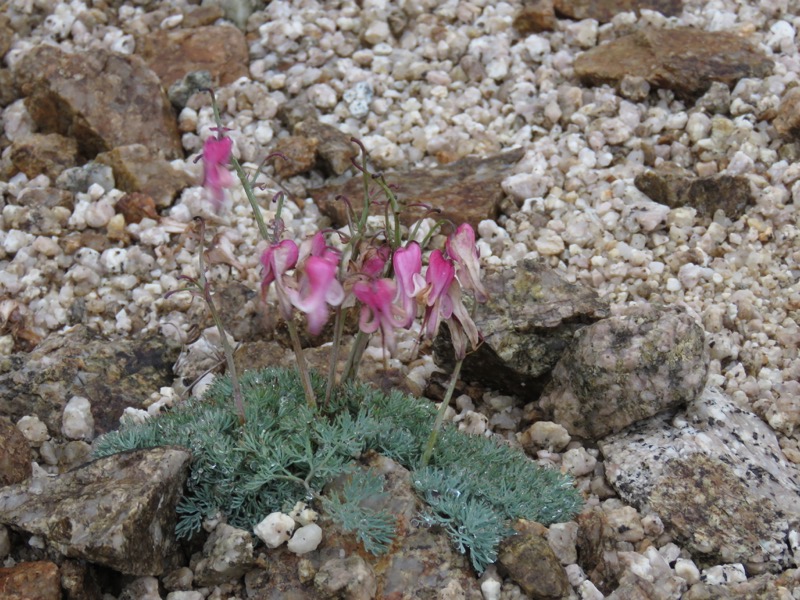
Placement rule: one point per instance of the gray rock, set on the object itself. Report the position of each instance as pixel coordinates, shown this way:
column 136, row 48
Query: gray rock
column 530, row 319
column 530, row 562
column 113, row 374
column 674, row 186
column 227, row 555
column 118, row 511
column 191, row 83
column 627, row 368
column 78, row 179
column 717, row 478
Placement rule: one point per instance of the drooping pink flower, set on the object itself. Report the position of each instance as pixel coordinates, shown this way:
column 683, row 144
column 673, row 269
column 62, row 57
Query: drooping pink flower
column 462, row 327
column 462, row 249
column 216, row 177
column 378, row 310
column 407, row 263
column 318, row 288
column 277, row 260
column 439, row 276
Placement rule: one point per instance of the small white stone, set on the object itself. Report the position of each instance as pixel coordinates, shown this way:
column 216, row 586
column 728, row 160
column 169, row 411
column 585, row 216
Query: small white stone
column 77, row 422
column 545, row 435
column 33, row 429
column 322, row 95
column 578, row 462
column 588, row 591
column 306, row 539
column 275, row 529
column 687, row 570
column 491, row 589
column 724, row 574
column 549, row 243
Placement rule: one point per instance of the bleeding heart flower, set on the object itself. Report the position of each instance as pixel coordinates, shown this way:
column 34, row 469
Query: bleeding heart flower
column 462, row 249
column 439, row 276
column 277, row 260
column 216, row 177
column 407, row 264
column 378, row 310
column 318, row 288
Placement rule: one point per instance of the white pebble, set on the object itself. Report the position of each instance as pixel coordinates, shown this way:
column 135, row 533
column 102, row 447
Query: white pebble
column 491, row 589
column 322, row 95
column 275, row 529
column 578, row 462
column 724, row 574
column 306, row 539
column 33, row 429
column 77, row 421
column 687, row 570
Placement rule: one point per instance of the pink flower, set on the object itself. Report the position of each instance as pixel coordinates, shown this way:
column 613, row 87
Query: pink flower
column 318, row 288
column 407, row 264
column 461, row 325
column 277, row 260
column 216, row 177
column 462, row 249
column 378, row 310
column 439, row 276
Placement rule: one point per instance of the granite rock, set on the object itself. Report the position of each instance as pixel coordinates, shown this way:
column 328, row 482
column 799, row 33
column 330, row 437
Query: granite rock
column 528, row 322
column 466, row 191
column 674, row 186
column 101, row 99
column 535, row 17
column 627, row 368
column 335, row 151
column 117, row 511
column 227, row 555
column 682, row 59
column 350, row 578
column 79, row 179
column 717, row 478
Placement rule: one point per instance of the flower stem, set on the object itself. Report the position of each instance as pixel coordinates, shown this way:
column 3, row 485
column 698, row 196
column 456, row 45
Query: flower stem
column 302, row 367
column 437, row 424
column 354, row 359
column 338, row 327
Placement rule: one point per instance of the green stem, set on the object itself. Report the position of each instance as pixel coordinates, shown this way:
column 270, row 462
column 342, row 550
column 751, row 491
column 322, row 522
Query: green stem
column 354, row 359
column 437, row 424
column 302, row 367
column 248, row 190
column 338, row 328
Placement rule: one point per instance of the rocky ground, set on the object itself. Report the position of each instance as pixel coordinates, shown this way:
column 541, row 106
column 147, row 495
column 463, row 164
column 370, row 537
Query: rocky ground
column 631, row 168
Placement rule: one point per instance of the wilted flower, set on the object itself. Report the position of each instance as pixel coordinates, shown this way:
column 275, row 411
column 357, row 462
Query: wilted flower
column 462, row 249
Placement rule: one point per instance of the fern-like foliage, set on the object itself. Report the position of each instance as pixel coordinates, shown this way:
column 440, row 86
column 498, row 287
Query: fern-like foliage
column 286, row 452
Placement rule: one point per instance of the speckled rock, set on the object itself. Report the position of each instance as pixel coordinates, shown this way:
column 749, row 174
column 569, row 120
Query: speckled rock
column 334, row 148
column 466, row 191
column 101, row 99
column 604, row 10
column 627, row 368
column 78, row 179
column 219, row 49
column 787, row 121
column 762, row 587
column 138, row 168
column 671, row 185
column 40, row 211
column 112, row 374
column 682, row 59
column 30, row 581
column 227, row 555
column 47, row 154
column 530, row 319
column 717, row 478
column 8, row 88
column 117, row 511
column 530, row 562
column 300, row 152
column 15, row 454
column 535, row 17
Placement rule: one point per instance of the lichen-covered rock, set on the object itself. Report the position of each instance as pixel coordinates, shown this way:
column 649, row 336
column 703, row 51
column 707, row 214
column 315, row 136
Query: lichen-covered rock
column 334, row 148
column 117, row 511
column 99, row 98
column 113, row 374
column 227, row 555
column 351, row 578
column 529, row 320
column 530, row 562
column 627, row 368
column 682, row 59
column 716, row 477
column 466, row 191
